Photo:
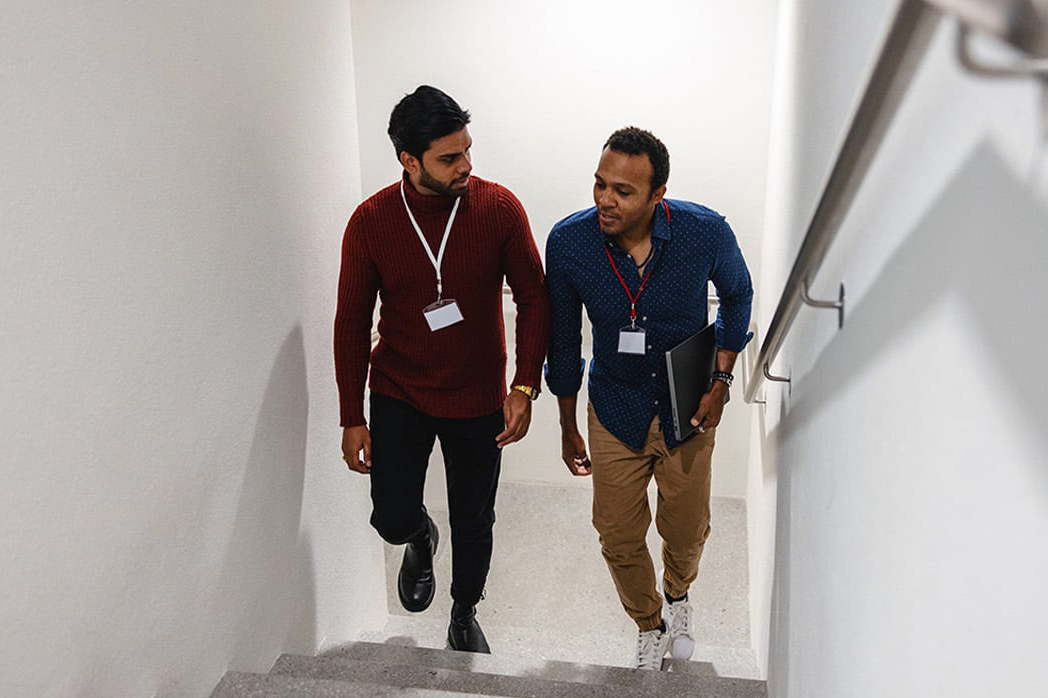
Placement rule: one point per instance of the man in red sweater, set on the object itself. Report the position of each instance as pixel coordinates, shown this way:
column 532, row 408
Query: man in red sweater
column 435, row 248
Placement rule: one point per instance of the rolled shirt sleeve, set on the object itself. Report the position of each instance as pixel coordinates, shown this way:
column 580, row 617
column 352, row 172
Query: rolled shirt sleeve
column 564, row 364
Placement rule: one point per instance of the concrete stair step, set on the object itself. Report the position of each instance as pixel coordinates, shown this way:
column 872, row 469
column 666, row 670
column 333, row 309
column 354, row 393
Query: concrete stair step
column 389, row 671
column 505, row 675
column 245, row 685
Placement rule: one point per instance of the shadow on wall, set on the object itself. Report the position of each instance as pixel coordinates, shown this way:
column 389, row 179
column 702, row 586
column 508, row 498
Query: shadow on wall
column 266, row 593
column 983, row 243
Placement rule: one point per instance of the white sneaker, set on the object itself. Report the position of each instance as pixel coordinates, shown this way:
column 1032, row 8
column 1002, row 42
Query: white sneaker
column 651, row 648
column 682, row 642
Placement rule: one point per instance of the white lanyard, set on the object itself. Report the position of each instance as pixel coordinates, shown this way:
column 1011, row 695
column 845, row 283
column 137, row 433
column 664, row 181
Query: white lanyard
column 439, row 259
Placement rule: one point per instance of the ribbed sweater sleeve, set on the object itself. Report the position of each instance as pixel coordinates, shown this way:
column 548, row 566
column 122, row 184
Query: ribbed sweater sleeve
column 527, row 282
column 358, row 285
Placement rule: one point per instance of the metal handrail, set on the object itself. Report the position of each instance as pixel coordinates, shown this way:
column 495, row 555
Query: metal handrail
column 1021, row 23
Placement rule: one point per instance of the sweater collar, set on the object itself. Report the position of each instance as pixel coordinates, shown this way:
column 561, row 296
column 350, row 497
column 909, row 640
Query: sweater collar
column 427, row 203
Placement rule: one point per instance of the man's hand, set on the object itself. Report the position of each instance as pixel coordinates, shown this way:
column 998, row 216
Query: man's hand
column 517, row 411
column 573, row 452
column 355, row 440
column 711, row 406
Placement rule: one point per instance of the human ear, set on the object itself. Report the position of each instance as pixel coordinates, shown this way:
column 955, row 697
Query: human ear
column 409, row 162
column 656, row 196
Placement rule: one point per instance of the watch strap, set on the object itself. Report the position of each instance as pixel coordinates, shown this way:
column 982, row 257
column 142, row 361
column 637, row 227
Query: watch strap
column 532, row 393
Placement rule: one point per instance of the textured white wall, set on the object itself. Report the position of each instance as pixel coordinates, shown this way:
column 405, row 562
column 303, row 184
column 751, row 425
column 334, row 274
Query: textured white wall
column 912, row 501
column 175, row 181
column 546, row 83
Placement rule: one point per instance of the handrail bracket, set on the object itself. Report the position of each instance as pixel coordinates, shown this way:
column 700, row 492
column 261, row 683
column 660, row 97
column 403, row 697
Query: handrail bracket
column 777, row 379
column 837, row 304
column 1020, row 68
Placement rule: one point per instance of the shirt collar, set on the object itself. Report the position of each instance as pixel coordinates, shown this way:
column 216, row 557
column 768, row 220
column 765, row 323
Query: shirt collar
column 663, row 220
column 661, row 231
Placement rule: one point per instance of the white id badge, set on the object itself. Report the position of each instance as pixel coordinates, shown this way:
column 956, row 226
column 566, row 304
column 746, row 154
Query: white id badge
column 631, row 340
column 442, row 314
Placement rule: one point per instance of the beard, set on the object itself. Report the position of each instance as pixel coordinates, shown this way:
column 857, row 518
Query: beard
column 445, row 188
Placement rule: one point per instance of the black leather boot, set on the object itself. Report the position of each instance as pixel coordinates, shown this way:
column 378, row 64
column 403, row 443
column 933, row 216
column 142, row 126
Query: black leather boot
column 464, row 633
column 415, row 583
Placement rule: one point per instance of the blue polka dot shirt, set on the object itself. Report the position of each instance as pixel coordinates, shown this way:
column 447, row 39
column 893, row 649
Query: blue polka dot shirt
column 693, row 245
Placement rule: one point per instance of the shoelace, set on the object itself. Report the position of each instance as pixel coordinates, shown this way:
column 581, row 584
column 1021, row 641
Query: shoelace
column 647, row 642
column 680, row 620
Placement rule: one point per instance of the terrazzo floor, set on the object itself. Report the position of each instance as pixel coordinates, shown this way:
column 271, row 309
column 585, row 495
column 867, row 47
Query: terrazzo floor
column 549, row 595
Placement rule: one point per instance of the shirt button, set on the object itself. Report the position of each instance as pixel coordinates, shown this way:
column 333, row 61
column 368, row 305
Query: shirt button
column 656, row 402
column 653, row 375
column 649, row 346
column 645, row 318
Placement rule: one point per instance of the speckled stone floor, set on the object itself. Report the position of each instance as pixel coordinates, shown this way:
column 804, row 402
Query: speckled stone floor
column 549, row 595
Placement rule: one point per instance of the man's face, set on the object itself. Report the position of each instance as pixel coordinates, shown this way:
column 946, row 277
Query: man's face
column 444, row 168
column 622, row 192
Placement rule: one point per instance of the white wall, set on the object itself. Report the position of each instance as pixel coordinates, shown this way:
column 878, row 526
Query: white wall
column 175, row 182
column 912, row 502
column 546, row 83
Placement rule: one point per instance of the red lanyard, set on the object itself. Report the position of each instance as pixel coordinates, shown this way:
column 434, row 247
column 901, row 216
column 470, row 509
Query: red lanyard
column 633, row 299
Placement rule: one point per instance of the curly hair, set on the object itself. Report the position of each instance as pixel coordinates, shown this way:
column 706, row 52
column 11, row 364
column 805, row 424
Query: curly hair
column 636, row 141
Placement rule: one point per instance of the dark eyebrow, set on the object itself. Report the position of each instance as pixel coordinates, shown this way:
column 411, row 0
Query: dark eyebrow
column 452, row 156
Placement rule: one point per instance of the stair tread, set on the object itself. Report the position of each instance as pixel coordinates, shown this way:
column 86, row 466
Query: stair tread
column 246, row 685
column 505, row 675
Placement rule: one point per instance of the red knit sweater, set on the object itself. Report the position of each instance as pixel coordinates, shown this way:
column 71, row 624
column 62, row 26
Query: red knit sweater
column 457, row 371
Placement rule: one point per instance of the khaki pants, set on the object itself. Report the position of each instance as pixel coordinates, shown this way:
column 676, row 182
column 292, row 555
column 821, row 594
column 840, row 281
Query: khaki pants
column 622, row 517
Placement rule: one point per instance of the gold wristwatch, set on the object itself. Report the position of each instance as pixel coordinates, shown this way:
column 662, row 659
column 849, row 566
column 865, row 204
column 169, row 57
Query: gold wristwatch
column 527, row 390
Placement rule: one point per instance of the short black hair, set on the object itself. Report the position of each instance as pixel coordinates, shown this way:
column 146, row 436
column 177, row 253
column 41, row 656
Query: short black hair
column 422, row 117
column 636, row 141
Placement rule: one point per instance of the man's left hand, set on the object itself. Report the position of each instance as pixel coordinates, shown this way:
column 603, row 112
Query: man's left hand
column 517, row 411
column 711, row 406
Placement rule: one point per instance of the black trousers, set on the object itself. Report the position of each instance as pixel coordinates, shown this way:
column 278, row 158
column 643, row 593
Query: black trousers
column 401, row 443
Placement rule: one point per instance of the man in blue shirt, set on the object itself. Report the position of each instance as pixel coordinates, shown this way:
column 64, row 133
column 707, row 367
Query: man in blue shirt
column 640, row 265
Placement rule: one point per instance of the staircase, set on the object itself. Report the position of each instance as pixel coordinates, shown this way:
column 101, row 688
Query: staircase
column 372, row 670
column 552, row 616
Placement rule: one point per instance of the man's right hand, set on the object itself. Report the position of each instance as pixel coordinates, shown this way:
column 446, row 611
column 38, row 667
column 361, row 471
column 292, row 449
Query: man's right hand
column 355, row 440
column 573, row 452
